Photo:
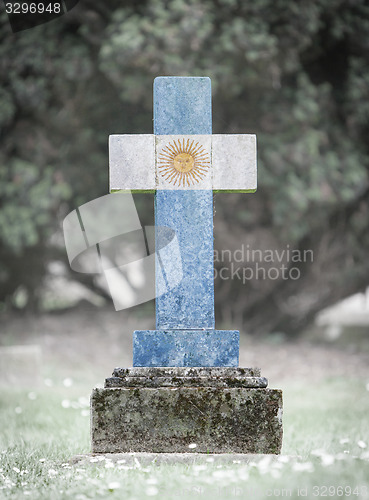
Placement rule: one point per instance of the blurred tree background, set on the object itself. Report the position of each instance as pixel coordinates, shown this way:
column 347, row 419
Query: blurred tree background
column 294, row 73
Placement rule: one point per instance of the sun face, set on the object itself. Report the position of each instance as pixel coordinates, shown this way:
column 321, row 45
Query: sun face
column 183, row 162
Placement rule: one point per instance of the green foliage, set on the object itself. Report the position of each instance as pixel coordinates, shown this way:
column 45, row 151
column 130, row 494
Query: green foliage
column 295, row 73
column 39, row 194
column 267, row 59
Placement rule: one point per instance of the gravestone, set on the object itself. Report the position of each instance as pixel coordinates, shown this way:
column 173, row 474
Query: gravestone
column 185, row 387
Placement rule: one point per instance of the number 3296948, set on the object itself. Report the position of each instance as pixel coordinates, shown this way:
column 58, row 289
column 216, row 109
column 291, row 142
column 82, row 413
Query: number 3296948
column 33, row 8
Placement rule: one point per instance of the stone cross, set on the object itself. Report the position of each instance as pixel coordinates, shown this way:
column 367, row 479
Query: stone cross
column 185, row 390
column 183, row 163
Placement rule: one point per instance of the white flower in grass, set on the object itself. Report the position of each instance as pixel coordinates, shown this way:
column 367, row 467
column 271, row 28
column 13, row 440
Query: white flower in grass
column 94, row 459
column 303, row 467
column 52, row 472
column 67, row 382
column 361, row 444
column 83, row 401
column 327, row 460
column 218, row 473
column 32, row 396
column 192, row 446
column 18, row 410
column 367, row 386
column 225, row 474
column 318, row 453
column 114, row 485
column 243, row 474
column 210, row 459
column 199, row 467
column 65, row 403
column 152, row 491
column 275, row 473
column 264, row 464
column 152, row 480
column 42, row 460
column 277, row 465
column 344, row 440
column 341, row 456
column 109, row 465
column 121, row 461
column 15, row 469
column 8, row 483
column 85, row 413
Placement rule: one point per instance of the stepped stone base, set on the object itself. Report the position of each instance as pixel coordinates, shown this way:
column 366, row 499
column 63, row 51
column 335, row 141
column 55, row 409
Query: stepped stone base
column 165, row 410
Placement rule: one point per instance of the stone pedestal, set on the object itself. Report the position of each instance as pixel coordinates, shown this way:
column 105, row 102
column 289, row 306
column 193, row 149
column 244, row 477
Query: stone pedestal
column 181, row 348
column 221, row 410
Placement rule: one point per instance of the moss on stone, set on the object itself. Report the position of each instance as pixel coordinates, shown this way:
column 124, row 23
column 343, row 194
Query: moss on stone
column 218, row 420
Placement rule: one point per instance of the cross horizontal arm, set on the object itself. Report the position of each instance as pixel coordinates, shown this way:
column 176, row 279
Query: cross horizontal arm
column 146, row 162
column 132, row 162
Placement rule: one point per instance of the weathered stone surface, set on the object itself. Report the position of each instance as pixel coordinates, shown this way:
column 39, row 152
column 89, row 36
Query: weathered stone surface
column 217, row 420
column 184, row 371
column 188, row 377
column 190, row 214
column 234, row 162
column 255, row 382
column 227, row 162
column 131, row 162
column 185, row 347
column 182, row 105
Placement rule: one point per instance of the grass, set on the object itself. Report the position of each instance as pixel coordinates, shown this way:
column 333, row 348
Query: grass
column 325, row 451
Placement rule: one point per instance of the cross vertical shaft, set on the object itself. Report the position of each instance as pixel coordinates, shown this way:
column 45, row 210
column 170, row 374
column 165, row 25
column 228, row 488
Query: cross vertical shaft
column 182, row 106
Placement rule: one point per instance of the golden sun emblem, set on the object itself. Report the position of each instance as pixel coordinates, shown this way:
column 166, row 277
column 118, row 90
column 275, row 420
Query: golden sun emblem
column 183, row 163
